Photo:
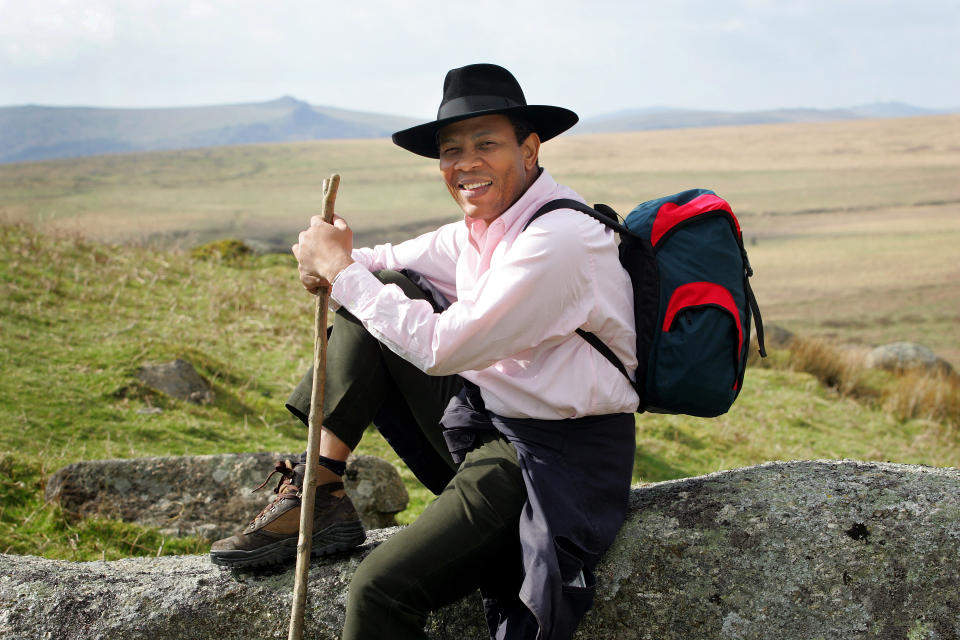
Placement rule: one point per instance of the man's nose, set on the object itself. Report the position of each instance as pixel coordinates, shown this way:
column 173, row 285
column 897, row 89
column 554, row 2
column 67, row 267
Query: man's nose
column 468, row 159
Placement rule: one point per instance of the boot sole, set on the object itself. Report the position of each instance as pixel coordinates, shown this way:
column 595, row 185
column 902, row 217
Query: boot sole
column 340, row 536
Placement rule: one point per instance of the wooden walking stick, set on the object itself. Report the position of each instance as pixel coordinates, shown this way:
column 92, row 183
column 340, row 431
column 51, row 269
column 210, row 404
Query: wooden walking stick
column 314, row 424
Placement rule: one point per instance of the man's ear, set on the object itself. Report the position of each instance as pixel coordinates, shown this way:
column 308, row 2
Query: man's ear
column 530, row 148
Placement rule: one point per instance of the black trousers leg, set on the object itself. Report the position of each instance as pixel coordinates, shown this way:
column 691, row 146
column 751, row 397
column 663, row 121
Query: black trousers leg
column 363, row 375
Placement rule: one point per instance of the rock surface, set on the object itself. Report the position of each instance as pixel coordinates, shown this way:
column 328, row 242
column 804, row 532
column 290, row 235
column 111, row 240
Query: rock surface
column 177, row 379
column 785, row 551
column 208, row 496
column 907, row 355
column 774, row 336
column 377, row 491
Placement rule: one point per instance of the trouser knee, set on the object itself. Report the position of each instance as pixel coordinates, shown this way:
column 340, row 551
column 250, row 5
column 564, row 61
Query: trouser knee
column 381, row 595
column 390, row 276
column 375, row 581
column 414, row 286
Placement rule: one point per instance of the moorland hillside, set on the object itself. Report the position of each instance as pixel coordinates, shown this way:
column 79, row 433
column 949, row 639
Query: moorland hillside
column 851, row 228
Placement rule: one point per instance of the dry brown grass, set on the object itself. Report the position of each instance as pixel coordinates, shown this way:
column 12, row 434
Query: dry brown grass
column 852, row 227
column 926, row 395
column 768, row 171
column 840, row 368
column 907, row 394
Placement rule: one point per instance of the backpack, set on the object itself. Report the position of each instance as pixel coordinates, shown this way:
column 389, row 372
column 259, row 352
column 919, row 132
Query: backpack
column 692, row 300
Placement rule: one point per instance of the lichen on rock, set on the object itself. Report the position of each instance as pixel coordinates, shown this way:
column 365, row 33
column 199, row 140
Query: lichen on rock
column 792, row 551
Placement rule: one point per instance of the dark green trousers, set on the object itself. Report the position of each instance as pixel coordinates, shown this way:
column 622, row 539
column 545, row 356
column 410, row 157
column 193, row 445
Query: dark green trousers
column 467, row 538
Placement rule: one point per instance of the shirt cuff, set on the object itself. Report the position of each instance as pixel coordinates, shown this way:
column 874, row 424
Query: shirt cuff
column 354, row 286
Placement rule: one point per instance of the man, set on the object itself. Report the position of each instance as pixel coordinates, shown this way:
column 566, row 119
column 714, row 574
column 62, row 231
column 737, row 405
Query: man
column 477, row 333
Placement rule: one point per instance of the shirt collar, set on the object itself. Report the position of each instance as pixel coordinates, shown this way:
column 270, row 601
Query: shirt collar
column 523, row 208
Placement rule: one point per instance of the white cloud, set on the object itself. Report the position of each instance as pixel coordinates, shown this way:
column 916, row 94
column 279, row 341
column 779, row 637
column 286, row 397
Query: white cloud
column 391, row 56
column 46, row 32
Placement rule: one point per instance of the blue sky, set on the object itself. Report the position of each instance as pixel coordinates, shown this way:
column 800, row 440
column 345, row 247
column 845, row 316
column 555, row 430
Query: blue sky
column 390, row 57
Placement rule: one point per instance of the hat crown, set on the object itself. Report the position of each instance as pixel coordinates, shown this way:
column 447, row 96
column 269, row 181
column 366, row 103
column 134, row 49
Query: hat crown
column 479, row 87
column 481, row 90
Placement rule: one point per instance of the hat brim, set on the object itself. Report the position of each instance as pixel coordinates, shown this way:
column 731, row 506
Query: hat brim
column 548, row 122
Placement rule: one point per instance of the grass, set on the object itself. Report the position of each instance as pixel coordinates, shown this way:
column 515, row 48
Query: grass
column 269, row 190
column 867, row 276
column 851, row 228
column 82, row 317
column 786, row 415
column 906, row 394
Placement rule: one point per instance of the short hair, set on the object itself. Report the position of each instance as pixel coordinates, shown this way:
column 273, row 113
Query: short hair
column 522, row 128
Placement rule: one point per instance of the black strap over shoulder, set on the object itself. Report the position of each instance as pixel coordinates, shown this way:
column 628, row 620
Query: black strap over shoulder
column 602, row 213
column 607, row 216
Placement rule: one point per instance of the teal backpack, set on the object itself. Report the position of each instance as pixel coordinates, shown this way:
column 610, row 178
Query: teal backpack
column 693, row 304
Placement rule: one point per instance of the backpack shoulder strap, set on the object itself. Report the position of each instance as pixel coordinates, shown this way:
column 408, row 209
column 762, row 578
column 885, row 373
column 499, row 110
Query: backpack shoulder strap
column 608, row 217
column 605, row 351
column 602, row 213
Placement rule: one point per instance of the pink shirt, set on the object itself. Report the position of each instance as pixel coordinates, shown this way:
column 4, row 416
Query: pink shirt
column 517, row 299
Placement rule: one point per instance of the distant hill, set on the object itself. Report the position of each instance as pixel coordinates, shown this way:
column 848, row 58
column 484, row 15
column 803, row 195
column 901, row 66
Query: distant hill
column 895, row 110
column 670, row 118
column 33, row 132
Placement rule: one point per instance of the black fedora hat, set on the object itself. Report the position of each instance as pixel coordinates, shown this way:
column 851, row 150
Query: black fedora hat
column 482, row 90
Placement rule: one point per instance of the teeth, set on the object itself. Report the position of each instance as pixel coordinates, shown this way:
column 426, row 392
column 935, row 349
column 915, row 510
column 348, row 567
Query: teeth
column 474, row 185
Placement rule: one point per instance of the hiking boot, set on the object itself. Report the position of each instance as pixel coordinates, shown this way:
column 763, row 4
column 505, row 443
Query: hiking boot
column 271, row 538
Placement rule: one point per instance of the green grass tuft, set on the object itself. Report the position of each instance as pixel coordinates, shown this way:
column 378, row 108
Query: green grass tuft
column 230, row 251
column 80, row 318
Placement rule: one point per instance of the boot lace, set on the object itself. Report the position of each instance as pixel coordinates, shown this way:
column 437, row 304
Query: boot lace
column 285, row 469
column 286, row 489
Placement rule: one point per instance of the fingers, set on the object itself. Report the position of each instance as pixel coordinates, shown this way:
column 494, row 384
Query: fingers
column 337, row 221
column 310, row 280
column 312, row 283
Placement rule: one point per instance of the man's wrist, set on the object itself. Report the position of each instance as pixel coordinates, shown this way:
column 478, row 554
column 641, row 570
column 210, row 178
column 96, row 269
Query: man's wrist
column 346, row 263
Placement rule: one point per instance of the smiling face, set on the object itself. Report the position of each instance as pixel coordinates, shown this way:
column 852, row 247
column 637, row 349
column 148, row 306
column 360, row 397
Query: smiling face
column 483, row 165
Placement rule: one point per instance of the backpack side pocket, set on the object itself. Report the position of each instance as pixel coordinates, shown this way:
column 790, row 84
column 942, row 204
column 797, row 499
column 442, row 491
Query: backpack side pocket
column 697, row 351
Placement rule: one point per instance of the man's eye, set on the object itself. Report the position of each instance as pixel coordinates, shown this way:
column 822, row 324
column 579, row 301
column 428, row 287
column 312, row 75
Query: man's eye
column 449, row 151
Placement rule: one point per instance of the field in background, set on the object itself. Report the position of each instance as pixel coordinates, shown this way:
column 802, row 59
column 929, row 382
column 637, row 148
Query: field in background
column 852, row 227
column 80, row 318
column 261, row 192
